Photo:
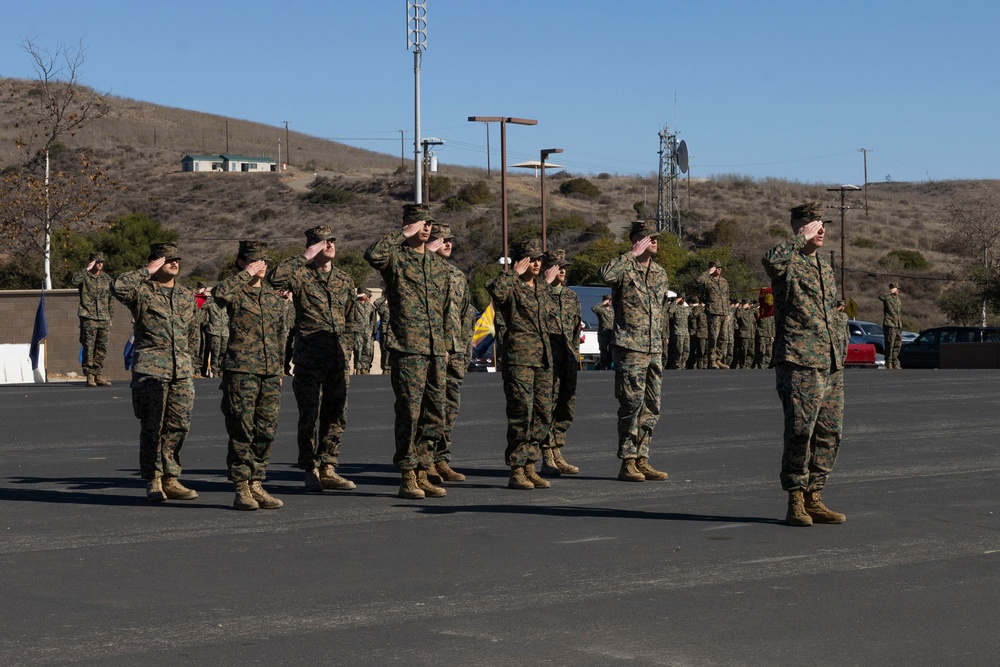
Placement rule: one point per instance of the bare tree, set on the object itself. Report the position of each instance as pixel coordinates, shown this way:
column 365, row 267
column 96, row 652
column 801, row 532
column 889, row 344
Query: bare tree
column 974, row 232
column 33, row 199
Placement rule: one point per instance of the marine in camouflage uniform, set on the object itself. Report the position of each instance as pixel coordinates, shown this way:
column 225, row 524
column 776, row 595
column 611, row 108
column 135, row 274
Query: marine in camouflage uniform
column 764, row 340
column 363, row 327
column 564, row 341
column 524, row 300
column 162, row 385
column 665, row 332
column 745, row 326
column 809, row 362
column 215, row 327
column 680, row 340
column 459, row 324
column 324, row 303
column 638, row 291
column 382, row 308
column 715, row 294
column 698, row 328
column 605, row 331
column 252, row 370
column 95, row 312
column 417, row 282
column 892, row 324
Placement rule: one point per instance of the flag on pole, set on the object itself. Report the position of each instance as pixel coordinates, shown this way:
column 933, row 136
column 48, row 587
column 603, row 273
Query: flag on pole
column 129, row 349
column 38, row 334
column 482, row 339
column 765, row 297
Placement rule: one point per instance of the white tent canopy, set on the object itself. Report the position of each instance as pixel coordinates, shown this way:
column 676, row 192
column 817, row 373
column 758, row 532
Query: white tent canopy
column 537, row 165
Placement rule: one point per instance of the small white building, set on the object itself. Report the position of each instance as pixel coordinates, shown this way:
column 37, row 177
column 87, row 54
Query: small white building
column 243, row 163
column 201, row 163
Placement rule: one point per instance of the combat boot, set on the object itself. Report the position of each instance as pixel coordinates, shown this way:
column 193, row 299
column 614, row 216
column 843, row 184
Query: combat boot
column 312, row 482
column 648, row 471
column 518, row 480
column 244, row 500
column 408, row 487
column 445, row 472
column 797, row 515
column 263, row 498
column 629, row 473
column 154, row 491
column 532, row 476
column 819, row 512
column 565, row 467
column 433, row 476
column 549, row 467
column 102, row 381
column 430, row 491
column 177, row 491
column 718, row 364
column 331, row 480
column 91, row 380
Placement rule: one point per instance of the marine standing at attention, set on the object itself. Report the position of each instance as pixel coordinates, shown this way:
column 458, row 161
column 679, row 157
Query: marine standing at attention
column 716, row 297
column 324, row 303
column 639, row 291
column 95, row 311
column 605, row 331
column 892, row 324
column 809, row 365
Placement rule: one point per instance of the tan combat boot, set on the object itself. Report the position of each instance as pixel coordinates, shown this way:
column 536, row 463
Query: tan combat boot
column 102, row 381
column 263, row 498
column 154, row 491
column 565, row 467
column 331, row 480
column 532, row 476
column 819, row 512
column 433, row 476
column 648, row 471
column 177, row 491
column 91, row 380
column 797, row 515
column 629, row 473
column 518, row 480
column 445, row 472
column 408, row 488
column 312, row 482
column 549, row 466
column 430, row 491
column 244, row 500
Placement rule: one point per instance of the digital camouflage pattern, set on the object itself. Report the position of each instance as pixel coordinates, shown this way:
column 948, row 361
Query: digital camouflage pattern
column 605, row 332
column 163, row 407
column 257, row 327
column 94, row 336
column 565, row 344
column 637, row 297
column 418, row 382
column 698, row 327
column 680, row 340
column 215, row 329
column 638, row 384
column 715, row 296
column 528, row 390
column 363, row 328
column 460, row 324
column 324, row 303
column 746, row 326
column 250, row 405
column 382, row 307
column 892, row 327
column 763, row 342
column 95, row 295
column 813, row 403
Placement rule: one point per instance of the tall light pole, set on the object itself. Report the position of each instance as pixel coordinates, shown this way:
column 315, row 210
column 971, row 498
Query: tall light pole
column 545, row 152
column 288, row 145
column 503, row 120
column 416, row 38
column 866, row 151
column 843, row 189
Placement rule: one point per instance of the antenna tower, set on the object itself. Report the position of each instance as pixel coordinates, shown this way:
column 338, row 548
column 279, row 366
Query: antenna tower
column 673, row 161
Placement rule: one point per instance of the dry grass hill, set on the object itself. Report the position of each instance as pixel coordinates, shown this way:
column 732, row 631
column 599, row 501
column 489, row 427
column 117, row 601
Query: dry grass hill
column 140, row 145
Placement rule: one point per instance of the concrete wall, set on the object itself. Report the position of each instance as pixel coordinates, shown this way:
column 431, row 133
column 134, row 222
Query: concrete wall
column 970, row 355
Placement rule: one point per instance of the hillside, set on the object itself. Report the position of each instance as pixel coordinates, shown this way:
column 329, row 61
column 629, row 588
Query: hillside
column 140, row 145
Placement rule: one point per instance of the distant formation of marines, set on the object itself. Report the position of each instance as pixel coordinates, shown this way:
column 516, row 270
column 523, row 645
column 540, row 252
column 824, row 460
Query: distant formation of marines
column 304, row 313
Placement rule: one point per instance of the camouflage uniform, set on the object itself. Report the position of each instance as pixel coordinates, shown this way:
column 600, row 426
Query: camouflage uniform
column 680, row 340
column 637, row 293
column 363, row 327
column 527, row 370
column 162, row 385
column 252, row 368
column 808, row 360
column 892, row 326
column 216, row 329
column 764, row 342
column 665, row 333
column 418, row 287
column 564, row 341
column 715, row 296
column 729, row 337
column 745, row 326
column 95, row 312
column 382, row 308
column 605, row 332
column 698, row 326
column 324, row 303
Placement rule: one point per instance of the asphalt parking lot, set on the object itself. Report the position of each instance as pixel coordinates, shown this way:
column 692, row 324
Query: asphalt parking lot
column 696, row 570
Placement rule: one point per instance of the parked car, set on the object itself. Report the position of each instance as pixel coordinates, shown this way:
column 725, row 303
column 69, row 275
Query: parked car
column 869, row 332
column 590, row 296
column 925, row 351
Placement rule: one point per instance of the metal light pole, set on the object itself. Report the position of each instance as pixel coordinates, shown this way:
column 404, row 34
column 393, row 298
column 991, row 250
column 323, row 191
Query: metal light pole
column 503, row 120
column 544, row 154
column 288, row 146
column 866, row 151
column 416, row 38
column 843, row 189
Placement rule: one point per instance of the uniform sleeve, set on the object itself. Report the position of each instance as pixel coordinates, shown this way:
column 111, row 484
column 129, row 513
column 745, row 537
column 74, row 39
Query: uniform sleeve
column 381, row 254
column 501, row 288
column 777, row 259
column 79, row 277
column 612, row 272
column 127, row 286
column 229, row 289
column 283, row 275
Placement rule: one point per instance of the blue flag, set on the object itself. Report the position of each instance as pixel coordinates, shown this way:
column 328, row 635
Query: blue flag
column 129, row 349
column 39, row 333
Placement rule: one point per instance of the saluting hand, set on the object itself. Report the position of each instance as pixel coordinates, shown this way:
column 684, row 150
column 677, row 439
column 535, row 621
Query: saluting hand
column 551, row 274
column 412, row 229
column 155, row 265
column 435, row 245
column 521, row 265
column 256, row 268
column 313, row 250
column 812, row 229
column 640, row 246
column 91, row 265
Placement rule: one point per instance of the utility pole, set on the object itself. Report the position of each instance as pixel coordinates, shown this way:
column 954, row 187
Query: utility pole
column 416, row 38
column 288, row 146
column 227, row 136
column 402, row 149
column 842, row 189
column 866, row 151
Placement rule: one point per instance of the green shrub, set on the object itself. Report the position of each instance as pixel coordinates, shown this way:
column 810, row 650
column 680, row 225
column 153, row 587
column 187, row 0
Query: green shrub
column 579, row 187
column 911, row 260
column 324, row 194
column 862, row 242
column 455, row 205
column 572, row 223
column 438, row 187
column 264, row 214
column 476, row 194
column 778, row 232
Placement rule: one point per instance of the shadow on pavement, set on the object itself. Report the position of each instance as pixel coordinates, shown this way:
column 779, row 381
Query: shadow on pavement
column 593, row 512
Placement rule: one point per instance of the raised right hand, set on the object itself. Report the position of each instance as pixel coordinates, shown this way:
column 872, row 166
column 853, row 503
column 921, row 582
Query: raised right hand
column 155, row 265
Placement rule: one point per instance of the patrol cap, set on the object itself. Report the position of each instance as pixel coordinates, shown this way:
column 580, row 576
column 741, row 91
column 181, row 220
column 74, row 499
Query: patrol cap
column 97, row 257
column 531, row 249
column 644, row 228
column 416, row 213
column 713, row 264
column 320, row 233
column 251, row 251
column 555, row 257
column 808, row 212
column 893, row 285
column 202, row 284
column 442, row 230
column 365, row 291
column 166, row 250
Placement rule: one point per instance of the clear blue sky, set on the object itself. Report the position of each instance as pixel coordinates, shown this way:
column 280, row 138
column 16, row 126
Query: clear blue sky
column 783, row 89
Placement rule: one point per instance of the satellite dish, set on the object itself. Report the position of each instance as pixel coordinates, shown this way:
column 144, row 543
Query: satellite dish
column 682, row 156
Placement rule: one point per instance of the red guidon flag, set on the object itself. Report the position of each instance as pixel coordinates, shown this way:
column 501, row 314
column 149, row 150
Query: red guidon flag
column 766, row 300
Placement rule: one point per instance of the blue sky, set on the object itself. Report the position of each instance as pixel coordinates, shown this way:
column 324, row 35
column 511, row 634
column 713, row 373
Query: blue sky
column 783, row 89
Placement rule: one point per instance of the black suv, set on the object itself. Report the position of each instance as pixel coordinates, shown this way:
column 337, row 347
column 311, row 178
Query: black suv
column 925, row 351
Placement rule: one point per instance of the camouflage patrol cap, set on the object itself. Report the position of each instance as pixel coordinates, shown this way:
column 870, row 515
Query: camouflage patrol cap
column 530, row 248
column 365, row 291
column 167, row 250
column 251, row 251
column 416, row 213
column 555, row 257
column 97, row 257
column 808, row 212
column 201, row 285
column 320, row 233
column 442, row 230
column 893, row 285
column 644, row 228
